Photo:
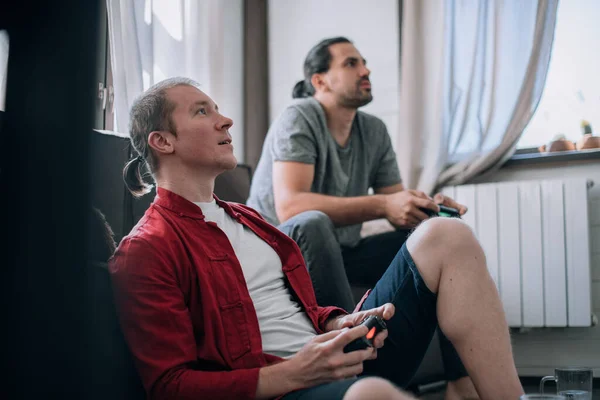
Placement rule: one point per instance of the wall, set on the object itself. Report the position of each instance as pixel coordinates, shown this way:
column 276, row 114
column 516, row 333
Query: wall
column 539, row 350
column 373, row 29
column 233, row 103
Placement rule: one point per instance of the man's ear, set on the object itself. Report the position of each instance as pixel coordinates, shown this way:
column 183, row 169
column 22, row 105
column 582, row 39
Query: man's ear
column 161, row 141
column 318, row 82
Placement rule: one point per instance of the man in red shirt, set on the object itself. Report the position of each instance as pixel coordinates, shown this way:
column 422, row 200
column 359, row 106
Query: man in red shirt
column 216, row 303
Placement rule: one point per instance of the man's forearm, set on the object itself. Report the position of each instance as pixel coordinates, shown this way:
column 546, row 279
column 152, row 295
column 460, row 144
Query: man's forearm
column 276, row 380
column 341, row 210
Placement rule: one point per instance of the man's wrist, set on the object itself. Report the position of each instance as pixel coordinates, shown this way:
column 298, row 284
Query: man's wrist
column 380, row 205
column 292, row 376
column 278, row 379
column 332, row 322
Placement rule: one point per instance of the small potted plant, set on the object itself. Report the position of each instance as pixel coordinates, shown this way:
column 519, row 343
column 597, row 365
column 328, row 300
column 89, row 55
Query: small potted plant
column 558, row 143
column 588, row 140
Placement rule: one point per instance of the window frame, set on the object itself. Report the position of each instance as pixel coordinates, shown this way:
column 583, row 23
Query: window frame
column 104, row 110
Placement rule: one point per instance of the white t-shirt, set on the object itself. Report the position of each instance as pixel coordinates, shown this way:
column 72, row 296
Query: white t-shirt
column 284, row 326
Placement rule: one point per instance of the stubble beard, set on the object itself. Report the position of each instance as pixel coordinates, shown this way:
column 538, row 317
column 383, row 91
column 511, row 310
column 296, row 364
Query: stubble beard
column 359, row 99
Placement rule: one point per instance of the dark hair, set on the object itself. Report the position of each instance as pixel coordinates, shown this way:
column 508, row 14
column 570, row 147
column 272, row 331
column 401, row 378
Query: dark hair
column 151, row 111
column 101, row 239
column 317, row 61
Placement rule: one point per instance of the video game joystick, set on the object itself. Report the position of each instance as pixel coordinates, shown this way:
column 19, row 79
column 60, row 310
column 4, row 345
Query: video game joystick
column 375, row 324
column 444, row 212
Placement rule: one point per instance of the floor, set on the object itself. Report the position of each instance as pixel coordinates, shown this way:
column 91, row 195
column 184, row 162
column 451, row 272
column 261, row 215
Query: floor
column 529, row 384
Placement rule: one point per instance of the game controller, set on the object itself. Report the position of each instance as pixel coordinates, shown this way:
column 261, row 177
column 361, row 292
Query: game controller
column 375, row 325
column 444, row 212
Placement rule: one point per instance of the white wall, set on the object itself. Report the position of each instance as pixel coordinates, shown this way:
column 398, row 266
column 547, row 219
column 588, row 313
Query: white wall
column 233, row 87
column 538, row 351
column 296, row 26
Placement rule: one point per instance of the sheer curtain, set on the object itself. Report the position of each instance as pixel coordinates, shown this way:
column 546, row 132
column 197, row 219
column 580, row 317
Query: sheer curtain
column 3, row 67
column 155, row 39
column 472, row 74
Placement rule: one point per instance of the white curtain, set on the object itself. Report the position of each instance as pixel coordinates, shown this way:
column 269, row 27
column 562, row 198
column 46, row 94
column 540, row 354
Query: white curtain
column 151, row 40
column 3, row 67
column 472, row 74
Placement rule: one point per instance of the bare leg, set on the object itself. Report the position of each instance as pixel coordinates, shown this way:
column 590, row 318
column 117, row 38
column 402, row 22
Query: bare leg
column 469, row 310
column 375, row 389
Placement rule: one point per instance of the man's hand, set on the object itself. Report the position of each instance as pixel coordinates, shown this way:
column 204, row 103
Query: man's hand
column 403, row 209
column 323, row 360
column 385, row 311
column 439, row 198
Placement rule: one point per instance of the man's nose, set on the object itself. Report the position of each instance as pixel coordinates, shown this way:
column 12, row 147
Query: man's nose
column 224, row 123
column 365, row 72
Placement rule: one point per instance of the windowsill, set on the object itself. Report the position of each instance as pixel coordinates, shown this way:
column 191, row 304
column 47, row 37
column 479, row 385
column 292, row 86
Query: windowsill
column 531, row 158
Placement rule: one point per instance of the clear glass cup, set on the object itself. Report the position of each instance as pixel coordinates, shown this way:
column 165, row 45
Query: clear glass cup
column 574, row 383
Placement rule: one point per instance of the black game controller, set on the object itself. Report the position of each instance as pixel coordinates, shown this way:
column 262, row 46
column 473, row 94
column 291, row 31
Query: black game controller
column 444, row 212
column 375, row 325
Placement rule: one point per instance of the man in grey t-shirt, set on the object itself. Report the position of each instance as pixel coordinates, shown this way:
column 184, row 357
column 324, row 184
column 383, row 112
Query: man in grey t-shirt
column 300, row 135
column 319, row 160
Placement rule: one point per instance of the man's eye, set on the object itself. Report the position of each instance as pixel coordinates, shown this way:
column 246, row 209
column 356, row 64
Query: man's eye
column 202, row 111
column 351, row 63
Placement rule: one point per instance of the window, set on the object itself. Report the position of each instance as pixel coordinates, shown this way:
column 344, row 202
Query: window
column 104, row 115
column 572, row 91
column 3, row 67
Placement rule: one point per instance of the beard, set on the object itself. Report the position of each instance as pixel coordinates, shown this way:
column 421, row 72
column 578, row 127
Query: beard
column 360, row 97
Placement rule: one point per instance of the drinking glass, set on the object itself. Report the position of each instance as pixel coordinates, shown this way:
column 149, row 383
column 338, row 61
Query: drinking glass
column 575, row 383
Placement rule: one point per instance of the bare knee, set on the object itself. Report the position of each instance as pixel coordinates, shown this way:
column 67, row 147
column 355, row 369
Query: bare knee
column 374, row 388
column 437, row 241
column 445, row 231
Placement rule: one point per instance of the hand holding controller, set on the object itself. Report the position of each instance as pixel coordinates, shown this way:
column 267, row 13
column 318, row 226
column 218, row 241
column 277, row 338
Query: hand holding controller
column 375, row 325
column 445, row 211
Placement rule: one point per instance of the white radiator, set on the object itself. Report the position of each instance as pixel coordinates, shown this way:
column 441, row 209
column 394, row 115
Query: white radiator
column 536, row 239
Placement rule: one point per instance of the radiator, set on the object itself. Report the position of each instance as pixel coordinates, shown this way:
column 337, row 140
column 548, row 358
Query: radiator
column 536, row 238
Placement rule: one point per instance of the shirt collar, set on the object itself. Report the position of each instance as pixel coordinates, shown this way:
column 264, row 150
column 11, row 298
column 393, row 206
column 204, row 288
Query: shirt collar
column 179, row 205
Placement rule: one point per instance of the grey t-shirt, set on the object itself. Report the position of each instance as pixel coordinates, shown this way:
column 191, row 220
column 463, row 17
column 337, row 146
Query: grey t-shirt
column 300, row 134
